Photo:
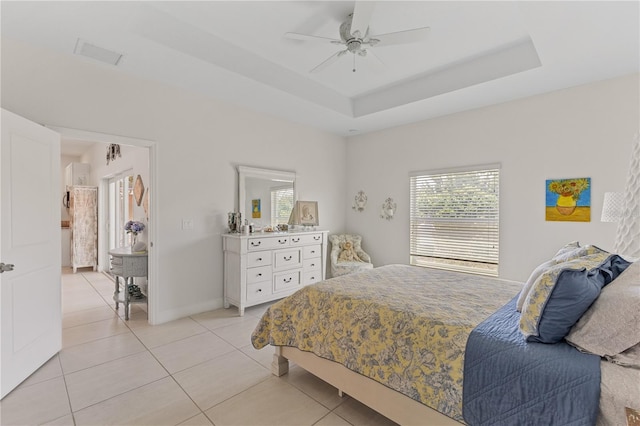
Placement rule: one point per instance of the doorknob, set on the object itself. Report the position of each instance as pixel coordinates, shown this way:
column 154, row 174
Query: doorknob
column 6, row 267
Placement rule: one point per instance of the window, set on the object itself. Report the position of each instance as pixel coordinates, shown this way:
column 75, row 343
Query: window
column 454, row 219
column 120, row 209
column 281, row 204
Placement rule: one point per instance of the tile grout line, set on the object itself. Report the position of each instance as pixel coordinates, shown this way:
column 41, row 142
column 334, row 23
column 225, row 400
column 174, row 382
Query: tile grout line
column 66, row 388
column 162, row 365
column 149, row 350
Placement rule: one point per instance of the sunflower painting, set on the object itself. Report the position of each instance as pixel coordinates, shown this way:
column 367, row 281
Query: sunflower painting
column 568, row 200
column 255, row 209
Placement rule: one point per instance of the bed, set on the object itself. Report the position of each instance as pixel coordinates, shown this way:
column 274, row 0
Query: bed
column 393, row 338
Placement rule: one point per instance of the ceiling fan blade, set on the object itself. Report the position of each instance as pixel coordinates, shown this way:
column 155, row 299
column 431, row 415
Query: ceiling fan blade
column 361, row 17
column 373, row 63
column 307, row 37
column 407, row 36
column 331, row 59
column 375, row 57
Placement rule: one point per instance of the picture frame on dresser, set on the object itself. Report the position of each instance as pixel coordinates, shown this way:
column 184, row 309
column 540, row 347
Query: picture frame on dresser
column 305, row 213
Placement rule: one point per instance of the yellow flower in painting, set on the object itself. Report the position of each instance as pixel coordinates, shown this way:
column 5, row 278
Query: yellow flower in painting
column 569, row 187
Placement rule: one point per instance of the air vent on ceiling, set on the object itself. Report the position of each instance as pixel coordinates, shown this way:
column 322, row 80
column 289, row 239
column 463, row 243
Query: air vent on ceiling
column 98, row 53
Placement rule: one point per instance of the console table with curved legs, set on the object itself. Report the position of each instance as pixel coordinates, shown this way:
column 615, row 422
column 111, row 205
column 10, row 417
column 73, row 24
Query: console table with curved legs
column 128, row 265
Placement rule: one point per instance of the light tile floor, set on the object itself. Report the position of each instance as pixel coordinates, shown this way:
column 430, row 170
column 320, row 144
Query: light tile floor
column 200, row 370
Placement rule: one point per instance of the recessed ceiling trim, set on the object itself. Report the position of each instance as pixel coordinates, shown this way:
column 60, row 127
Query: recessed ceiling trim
column 168, row 31
column 509, row 60
column 97, row 53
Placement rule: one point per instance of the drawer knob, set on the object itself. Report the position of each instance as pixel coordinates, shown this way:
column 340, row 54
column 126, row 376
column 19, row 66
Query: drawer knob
column 316, row 238
column 282, row 241
column 259, row 290
column 288, row 258
column 254, row 244
column 313, row 278
column 313, row 251
column 259, row 275
column 295, row 240
column 287, row 280
column 313, row 264
column 259, row 259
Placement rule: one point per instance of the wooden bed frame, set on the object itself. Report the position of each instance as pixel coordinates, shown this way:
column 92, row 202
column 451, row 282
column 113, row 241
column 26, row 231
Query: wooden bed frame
column 386, row 401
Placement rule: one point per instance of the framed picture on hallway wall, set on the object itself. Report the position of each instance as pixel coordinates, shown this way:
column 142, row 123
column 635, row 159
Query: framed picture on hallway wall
column 138, row 190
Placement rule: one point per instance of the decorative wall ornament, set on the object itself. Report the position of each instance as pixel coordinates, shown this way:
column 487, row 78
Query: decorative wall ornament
column 388, row 209
column 113, row 152
column 360, row 201
column 138, row 190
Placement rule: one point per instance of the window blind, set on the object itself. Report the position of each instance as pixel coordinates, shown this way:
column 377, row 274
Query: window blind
column 454, row 219
column 281, row 205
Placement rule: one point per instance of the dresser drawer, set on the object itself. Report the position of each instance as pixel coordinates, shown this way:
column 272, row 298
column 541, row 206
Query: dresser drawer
column 258, row 259
column 286, row 280
column 287, row 259
column 258, row 291
column 306, row 239
column 116, row 260
column 267, row 243
column 261, row 273
column 312, row 264
column 311, row 252
column 116, row 269
column 311, row 277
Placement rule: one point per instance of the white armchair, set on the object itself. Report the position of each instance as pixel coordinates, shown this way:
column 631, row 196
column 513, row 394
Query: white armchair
column 347, row 255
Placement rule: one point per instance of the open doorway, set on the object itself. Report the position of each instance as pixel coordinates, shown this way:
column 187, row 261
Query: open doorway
column 121, row 193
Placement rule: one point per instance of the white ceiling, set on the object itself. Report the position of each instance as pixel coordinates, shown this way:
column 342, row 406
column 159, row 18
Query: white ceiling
column 477, row 53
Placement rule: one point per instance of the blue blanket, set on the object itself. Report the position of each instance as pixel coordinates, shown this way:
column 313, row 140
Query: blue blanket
column 508, row 381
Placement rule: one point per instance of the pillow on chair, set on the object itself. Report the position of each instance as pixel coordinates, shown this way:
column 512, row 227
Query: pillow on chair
column 356, row 240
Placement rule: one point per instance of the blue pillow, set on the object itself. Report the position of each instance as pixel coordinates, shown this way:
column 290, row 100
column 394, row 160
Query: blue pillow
column 569, row 293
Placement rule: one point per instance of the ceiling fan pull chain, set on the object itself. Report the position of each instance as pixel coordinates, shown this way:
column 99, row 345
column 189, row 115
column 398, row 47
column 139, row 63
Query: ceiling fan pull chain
column 354, row 63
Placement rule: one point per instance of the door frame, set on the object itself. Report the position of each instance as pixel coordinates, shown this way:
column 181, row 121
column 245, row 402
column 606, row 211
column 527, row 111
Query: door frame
column 154, row 214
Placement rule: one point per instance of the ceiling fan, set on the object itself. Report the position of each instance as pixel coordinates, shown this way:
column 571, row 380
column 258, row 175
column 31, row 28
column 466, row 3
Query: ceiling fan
column 354, row 35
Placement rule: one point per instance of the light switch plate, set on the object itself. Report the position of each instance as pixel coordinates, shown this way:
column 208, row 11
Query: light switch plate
column 187, row 224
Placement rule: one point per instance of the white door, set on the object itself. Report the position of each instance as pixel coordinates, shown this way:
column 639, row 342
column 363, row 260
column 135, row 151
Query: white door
column 30, row 294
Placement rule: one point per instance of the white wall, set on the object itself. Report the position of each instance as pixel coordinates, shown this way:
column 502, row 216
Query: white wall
column 584, row 131
column 580, row 132
column 199, row 142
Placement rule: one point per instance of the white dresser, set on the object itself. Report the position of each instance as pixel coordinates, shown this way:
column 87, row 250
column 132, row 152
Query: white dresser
column 262, row 267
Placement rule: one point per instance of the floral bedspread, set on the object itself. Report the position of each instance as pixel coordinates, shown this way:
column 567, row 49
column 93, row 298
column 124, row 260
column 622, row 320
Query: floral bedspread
column 403, row 326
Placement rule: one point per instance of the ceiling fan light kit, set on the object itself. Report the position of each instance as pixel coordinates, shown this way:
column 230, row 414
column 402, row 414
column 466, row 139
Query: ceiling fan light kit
column 354, row 35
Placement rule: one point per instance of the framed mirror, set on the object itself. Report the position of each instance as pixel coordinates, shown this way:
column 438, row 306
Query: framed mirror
column 265, row 197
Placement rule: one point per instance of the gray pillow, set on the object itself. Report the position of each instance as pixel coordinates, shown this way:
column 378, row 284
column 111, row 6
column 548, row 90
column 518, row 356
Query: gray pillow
column 628, row 358
column 612, row 324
